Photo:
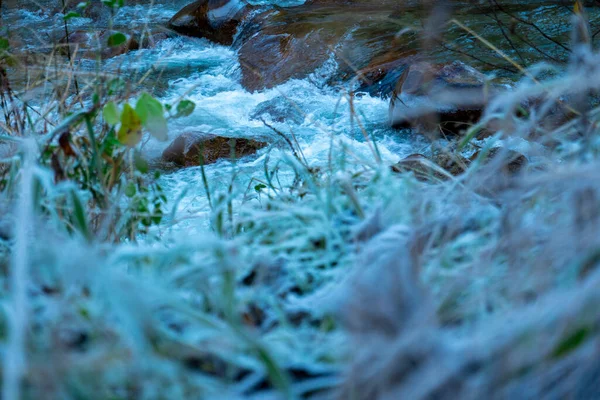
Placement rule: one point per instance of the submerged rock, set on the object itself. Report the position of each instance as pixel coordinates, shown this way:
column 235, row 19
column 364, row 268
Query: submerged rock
column 215, row 20
column 436, row 99
column 278, row 109
column 189, row 148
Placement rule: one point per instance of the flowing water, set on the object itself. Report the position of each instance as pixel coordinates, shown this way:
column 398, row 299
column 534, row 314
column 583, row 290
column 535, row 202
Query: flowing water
column 209, row 74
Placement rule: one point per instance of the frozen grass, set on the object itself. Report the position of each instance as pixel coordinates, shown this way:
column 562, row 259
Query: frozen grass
column 348, row 281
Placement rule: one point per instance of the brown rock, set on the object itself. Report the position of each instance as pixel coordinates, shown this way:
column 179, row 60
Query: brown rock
column 428, row 170
column 188, row 148
column 91, row 43
column 215, row 20
column 438, row 99
column 511, row 162
column 361, row 36
column 268, row 60
column 282, row 44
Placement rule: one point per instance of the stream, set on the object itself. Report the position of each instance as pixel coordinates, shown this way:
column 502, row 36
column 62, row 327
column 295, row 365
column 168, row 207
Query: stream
column 209, row 74
column 316, row 114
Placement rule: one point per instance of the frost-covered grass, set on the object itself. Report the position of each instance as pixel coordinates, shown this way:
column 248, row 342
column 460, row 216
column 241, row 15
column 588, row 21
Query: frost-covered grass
column 344, row 281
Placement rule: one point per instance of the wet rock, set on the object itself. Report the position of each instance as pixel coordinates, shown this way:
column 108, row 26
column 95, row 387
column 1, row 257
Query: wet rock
column 90, row 43
column 444, row 164
column 441, row 167
column 269, row 60
column 150, row 40
column 354, row 40
column 188, row 149
column 359, row 38
column 453, row 163
column 509, row 162
column 380, row 77
column 291, row 43
column 97, row 11
column 278, row 109
column 438, row 99
column 215, row 20
column 498, row 173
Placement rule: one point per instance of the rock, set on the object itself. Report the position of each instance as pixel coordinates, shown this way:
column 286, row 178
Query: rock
column 435, row 99
column 215, row 20
column 359, row 37
column 291, row 43
column 511, row 162
column 96, row 10
column 269, row 60
column 380, row 77
column 444, row 164
column 428, row 170
column 278, row 109
column 91, row 43
column 498, row 173
column 187, row 148
column 149, row 40
column 364, row 41
column 453, row 163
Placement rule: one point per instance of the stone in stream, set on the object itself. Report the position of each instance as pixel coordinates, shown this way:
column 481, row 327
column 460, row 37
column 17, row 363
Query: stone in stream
column 186, row 149
column 90, row 43
column 292, row 43
column 278, row 109
column 280, row 43
column 215, row 20
column 439, row 99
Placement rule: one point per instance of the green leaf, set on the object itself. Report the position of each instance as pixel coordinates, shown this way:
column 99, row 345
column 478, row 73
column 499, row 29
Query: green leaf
column 4, row 45
column 71, row 14
column 130, row 132
column 260, row 187
column 113, row 3
column 185, row 108
column 116, row 85
column 80, row 217
column 572, row 342
column 83, row 4
column 116, row 39
column 109, row 144
column 140, row 163
column 152, row 116
column 111, row 113
column 130, row 190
